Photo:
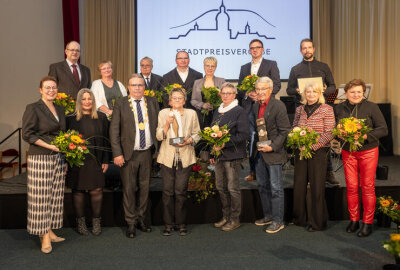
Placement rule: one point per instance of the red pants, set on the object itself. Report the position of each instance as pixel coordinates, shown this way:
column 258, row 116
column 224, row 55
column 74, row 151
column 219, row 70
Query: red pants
column 361, row 165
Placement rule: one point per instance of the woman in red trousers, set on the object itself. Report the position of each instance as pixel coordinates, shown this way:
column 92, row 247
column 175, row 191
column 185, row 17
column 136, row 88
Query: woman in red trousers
column 360, row 166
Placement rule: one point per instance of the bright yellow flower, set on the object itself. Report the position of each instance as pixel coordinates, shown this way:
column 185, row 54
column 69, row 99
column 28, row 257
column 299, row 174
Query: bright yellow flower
column 76, row 139
column 395, row 237
column 146, row 92
column 350, row 126
column 385, row 203
column 175, row 85
column 62, row 95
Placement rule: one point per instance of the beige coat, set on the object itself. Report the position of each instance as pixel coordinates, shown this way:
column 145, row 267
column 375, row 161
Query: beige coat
column 191, row 128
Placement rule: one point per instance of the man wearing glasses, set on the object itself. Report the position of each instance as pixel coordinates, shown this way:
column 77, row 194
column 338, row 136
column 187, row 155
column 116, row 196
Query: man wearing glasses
column 270, row 154
column 70, row 75
column 133, row 136
column 152, row 81
column 183, row 75
column 260, row 67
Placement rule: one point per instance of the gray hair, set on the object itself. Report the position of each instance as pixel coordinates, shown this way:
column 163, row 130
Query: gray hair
column 146, row 58
column 177, row 90
column 228, row 85
column 135, row 75
column 267, row 80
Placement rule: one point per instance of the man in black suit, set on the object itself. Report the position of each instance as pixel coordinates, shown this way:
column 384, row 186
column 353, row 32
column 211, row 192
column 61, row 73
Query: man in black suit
column 70, row 75
column 183, row 75
column 152, row 81
column 260, row 67
column 133, row 142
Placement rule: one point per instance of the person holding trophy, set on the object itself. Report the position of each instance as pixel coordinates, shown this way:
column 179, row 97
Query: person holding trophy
column 177, row 130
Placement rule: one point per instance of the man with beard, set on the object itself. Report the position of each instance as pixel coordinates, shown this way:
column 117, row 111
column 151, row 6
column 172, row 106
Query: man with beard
column 308, row 68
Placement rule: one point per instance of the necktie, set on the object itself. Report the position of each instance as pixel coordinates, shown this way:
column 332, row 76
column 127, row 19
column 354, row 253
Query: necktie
column 148, row 82
column 141, row 125
column 75, row 74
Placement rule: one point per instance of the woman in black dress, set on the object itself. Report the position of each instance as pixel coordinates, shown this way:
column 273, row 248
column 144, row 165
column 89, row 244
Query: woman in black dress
column 93, row 125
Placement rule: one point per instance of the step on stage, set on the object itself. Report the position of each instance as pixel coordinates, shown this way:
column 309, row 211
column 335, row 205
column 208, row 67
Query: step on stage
column 13, row 199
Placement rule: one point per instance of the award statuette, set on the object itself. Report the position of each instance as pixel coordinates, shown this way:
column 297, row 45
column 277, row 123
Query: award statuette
column 175, row 128
column 262, row 133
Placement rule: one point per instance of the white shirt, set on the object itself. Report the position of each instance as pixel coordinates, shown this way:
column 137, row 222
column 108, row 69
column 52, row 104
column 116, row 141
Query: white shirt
column 255, row 66
column 149, row 141
column 72, row 70
column 183, row 75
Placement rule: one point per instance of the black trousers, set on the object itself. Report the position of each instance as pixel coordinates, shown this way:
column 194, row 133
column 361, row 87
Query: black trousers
column 135, row 175
column 314, row 171
column 174, row 193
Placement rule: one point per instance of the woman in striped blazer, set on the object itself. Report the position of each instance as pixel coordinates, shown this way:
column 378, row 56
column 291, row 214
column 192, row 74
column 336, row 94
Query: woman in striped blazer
column 320, row 117
column 42, row 121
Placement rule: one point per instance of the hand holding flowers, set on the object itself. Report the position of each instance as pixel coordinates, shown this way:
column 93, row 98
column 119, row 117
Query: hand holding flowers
column 73, row 146
column 216, row 137
column 212, row 97
column 248, row 83
column 302, row 138
column 353, row 131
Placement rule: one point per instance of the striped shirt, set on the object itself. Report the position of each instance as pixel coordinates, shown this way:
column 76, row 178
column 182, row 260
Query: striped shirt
column 321, row 121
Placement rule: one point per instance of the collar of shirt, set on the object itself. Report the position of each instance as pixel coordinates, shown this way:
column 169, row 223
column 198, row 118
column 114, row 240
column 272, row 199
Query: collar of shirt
column 255, row 66
column 148, row 76
column 184, row 74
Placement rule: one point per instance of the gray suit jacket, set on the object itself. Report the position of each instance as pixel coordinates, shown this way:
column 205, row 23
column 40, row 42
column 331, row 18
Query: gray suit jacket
column 66, row 81
column 197, row 100
column 123, row 128
column 278, row 127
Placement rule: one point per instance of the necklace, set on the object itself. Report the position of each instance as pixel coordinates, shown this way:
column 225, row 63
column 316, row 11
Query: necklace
column 141, row 125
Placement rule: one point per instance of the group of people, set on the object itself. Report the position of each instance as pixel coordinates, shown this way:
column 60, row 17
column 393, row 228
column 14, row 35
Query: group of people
column 142, row 129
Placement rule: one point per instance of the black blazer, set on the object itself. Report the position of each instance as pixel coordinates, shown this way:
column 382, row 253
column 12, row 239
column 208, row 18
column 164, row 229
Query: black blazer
column 38, row 122
column 123, row 128
column 155, row 82
column 66, row 81
column 278, row 127
column 173, row 77
column 267, row 68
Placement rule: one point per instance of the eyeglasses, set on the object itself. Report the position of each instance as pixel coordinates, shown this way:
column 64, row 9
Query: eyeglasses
column 74, row 50
column 262, row 89
column 145, row 66
column 227, row 93
column 209, row 66
column 136, row 85
column 177, row 98
column 255, row 48
column 48, row 88
column 182, row 58
column 105, row 68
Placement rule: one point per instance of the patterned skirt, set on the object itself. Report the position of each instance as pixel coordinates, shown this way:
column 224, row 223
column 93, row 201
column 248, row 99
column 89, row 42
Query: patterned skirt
column 46, row 181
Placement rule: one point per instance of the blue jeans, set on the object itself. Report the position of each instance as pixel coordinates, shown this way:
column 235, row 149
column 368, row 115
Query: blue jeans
column 270, row 187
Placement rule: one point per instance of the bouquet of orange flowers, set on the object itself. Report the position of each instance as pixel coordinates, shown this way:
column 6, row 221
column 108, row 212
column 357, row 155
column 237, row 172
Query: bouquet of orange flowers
column 73, row 146
column 65, row 101
column 249, row 83
column 215, row 136
column 212, row 96
column 389, row 207
column 353, row 131
column 302, row 138
column 169, row 87
column 201, row 182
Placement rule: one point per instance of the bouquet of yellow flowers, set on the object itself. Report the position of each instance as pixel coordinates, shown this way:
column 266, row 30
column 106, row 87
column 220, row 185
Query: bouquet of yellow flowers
column 201, row 182
column 211, row 95
column 353, row 131
column 65, row 101
column 73, row 146
column 301, row 138
column 215, row 136
column 249, row 83
column 154, row 93
column 169, row 87
column 393, row 245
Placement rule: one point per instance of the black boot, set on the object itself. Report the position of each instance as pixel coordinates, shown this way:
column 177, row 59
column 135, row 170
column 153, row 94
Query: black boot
column 353, row 226
column 96, row 230
column 366, row 230
column 81, row 226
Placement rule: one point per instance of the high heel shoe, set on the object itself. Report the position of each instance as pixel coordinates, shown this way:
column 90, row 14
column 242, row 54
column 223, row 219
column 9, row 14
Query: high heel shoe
column 57, row 239
column 47, row 249
column 353, row 226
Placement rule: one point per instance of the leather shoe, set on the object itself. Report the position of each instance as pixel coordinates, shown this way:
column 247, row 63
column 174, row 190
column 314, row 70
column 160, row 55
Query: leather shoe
column 353, row 226
column 183, row 230
column 221, row 223
column 309, row 228
column 250, row 177
column 366, row 230
column 131, row 231
column 167, row 231
column 143, row 227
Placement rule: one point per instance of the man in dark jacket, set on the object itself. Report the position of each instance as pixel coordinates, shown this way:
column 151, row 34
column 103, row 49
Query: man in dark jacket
column 270, row 157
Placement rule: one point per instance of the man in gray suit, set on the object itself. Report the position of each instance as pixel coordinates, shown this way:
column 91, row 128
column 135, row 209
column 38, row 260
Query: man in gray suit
column 133, row 142
column 70, row 75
